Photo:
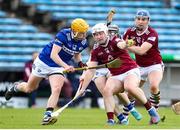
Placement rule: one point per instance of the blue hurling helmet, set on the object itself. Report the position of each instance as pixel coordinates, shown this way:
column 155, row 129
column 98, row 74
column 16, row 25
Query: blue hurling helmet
column 143, row 13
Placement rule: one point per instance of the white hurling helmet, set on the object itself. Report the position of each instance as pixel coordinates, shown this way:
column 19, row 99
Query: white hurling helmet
column 100, row 27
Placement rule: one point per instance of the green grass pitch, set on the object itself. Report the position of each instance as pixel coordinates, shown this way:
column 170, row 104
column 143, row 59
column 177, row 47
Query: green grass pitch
column 73, row 118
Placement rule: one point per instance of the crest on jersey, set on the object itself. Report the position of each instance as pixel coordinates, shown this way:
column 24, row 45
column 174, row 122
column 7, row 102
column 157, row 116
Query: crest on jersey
column 84, row 42
column 110, row 58
column 106, row 50
column 74, row 47
column 138, row 39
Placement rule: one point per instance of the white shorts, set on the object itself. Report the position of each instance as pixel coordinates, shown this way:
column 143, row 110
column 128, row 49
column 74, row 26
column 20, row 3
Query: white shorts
column 121, row 77
column 101, row 72
column 40, row 69
column 144, row 71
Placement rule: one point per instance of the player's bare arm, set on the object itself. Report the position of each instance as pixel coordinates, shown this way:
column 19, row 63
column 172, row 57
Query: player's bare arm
column 87, row 76
column 55, row 57
column 123, row 44
column 140, row 50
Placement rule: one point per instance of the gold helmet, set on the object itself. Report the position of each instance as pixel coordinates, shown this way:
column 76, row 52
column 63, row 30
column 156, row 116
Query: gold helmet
column 79, row 25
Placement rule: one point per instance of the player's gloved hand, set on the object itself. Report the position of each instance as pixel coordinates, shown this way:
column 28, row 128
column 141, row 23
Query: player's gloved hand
column 81, row 64
column 130, row 42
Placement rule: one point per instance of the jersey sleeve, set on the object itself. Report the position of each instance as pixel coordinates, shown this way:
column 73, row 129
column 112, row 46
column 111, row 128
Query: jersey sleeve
column 126, row 34
column 60, row 39
column 93, row 56
column 152, row 38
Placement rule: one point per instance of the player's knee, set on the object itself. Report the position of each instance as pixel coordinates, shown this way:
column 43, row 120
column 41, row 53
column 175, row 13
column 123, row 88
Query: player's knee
column 154, row 87
column 128, row 88
column 107, row 92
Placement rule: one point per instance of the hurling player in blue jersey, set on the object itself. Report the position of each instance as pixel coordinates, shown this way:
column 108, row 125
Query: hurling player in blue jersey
column 51, row 63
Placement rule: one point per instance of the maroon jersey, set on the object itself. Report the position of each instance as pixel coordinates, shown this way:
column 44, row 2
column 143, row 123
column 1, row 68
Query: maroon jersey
column 106, row 54
column 28, row 65
column 152, row 56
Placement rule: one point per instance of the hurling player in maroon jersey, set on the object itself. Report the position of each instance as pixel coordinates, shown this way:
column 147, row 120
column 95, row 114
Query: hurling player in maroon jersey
column 100, row 79
column 147, row 53
column 124, row 78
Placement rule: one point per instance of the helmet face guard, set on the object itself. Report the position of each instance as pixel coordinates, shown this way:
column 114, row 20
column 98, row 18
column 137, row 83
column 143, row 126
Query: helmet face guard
column 113, row 30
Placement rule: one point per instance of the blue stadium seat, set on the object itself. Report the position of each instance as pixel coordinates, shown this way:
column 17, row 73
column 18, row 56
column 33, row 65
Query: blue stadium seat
column 18, row 41
column 168, row 32
column 18, row 50
column 175, row 4
column 170, row 51
column 100, row 9
column 20, row 28
column 10, row 21
column 23, row 43
column 42, row 36
column 173, row 46
column 97, row 3
column 172, row 38
column 2, row 14
column 101, row 16
column 12, row 66
column 15, row 58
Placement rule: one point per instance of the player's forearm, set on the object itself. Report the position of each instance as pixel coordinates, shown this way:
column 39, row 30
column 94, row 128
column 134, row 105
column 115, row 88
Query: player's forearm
column 121, row 45
column 58, row 60
column 137, row 50
column 88, row 75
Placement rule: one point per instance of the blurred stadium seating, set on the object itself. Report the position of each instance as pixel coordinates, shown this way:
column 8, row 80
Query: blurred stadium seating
column 164, row 18
column 17, row 42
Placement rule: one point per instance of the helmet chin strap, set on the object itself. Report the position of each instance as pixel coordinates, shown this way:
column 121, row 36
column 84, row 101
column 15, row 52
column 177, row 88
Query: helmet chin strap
column 74, row 34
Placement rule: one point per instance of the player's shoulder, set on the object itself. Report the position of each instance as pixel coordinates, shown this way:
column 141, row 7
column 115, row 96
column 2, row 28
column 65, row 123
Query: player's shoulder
column 65, row 31
column 151, row 31
column 64, row 34
column 130, row 30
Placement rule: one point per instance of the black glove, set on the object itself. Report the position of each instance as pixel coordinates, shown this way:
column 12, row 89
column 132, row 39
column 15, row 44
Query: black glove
column 81, row 64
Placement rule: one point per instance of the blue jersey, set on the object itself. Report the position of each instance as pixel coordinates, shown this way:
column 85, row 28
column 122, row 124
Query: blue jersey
column 69, row 47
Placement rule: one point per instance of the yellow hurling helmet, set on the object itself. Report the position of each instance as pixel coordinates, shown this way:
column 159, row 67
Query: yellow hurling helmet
column 79, row 25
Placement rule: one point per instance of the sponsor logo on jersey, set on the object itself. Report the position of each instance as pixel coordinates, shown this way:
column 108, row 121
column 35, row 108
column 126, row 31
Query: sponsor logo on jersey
column 67, row 50
column 152, row 38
